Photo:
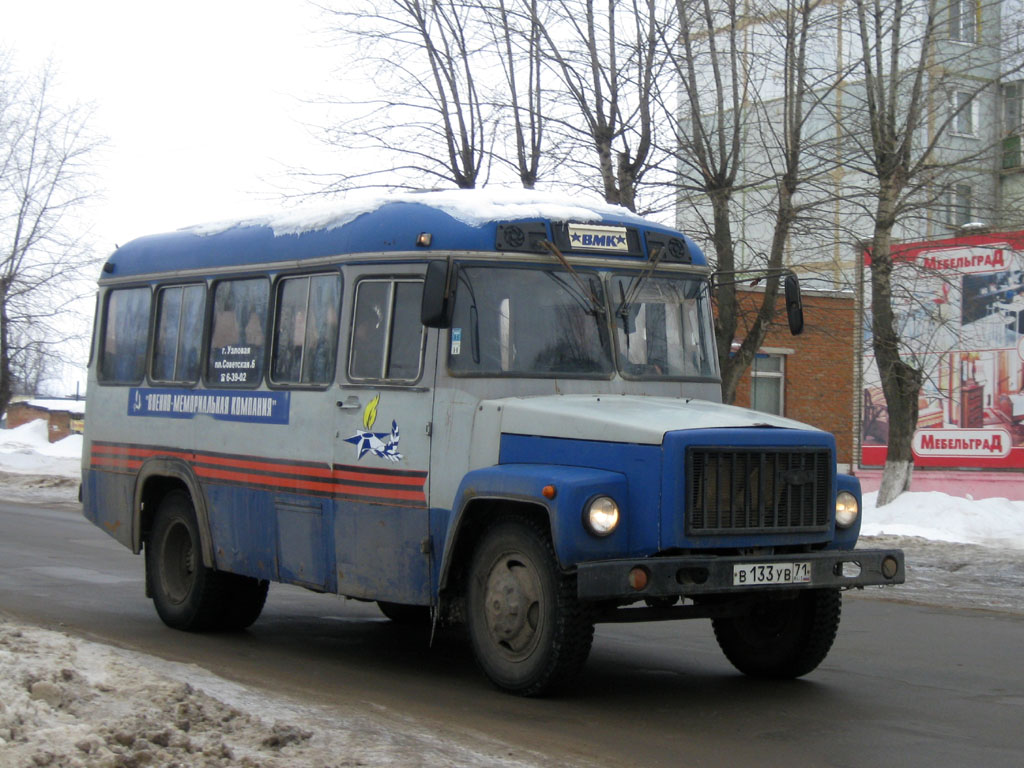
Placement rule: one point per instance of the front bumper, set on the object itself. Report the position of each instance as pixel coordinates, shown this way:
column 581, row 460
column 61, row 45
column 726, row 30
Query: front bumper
column 709, row 575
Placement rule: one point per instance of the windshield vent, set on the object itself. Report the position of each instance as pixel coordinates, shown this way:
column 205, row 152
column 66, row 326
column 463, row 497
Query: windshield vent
column 670, row 248
column 523, row 236
column 744, row 491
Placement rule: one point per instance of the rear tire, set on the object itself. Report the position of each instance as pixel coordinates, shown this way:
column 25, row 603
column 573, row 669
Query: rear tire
column 782, row 638
column 529, row 633
column 188, row 595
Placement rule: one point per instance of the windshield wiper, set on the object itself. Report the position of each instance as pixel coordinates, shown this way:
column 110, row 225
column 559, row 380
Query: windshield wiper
column 638, row 280
column 586, row 291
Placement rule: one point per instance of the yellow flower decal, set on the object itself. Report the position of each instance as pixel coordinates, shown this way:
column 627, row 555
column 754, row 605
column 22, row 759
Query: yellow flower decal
column 370, row 414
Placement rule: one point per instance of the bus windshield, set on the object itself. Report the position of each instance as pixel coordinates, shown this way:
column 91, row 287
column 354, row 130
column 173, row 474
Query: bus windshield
column 663, row 327
column 529, row 322
column 550, row 322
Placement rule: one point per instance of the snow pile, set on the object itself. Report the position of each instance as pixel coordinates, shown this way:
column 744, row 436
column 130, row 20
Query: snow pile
column 470, row 206
column 27, row 451
column 938, row 517
column 75, row 704
column 72, row 703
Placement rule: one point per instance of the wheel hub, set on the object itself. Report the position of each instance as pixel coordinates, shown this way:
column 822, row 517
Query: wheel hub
column 512, row 600
column 178, row 566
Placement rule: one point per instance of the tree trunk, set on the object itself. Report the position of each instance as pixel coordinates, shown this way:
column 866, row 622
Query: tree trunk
column 627, row 182
column 725, row 294
column 901, row 382
column 5, row 353
column 603, row 144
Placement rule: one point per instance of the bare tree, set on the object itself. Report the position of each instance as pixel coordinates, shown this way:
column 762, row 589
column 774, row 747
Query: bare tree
column 518, row 42
column 460, row 92
column 747, row 90
column 32, row 365
column 609, row 60
column 44, row 179
column 428, row 116
column 909, row 71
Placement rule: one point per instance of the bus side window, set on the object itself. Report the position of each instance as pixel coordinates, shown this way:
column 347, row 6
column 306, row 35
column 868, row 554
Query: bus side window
column 125, row 334
column 179, row 329
column 238, row 332
column 306, row 330
column 387, row 335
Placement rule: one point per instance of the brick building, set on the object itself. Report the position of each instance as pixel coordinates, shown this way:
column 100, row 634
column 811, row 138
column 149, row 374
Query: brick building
column 809, row 377
column 63, row 417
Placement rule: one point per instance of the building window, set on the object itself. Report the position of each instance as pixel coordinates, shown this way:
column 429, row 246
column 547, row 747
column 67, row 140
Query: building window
column 957, row 205
column 1012, row 93
column 963, row 21
column 962, row 204
column 964, row 122
column 767, row 380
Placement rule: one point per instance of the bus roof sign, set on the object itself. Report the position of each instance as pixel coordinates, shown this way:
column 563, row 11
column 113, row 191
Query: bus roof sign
column 598, row 238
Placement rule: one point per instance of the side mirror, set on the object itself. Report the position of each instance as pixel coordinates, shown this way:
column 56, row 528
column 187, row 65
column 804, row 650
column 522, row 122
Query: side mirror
column 438, row 294
column 794, row 305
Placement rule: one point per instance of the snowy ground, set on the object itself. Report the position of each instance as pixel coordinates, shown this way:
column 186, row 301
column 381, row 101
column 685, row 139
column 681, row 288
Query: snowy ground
column 33, row 468
column 68, row 702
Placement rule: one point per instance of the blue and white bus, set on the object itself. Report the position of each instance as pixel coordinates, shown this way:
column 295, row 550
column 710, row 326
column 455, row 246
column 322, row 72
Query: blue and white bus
column 500, row 410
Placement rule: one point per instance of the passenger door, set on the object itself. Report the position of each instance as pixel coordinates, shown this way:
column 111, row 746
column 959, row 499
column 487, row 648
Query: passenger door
column 382, row 440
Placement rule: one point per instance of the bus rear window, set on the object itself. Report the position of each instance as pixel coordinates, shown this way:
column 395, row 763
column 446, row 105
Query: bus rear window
column 125, row 332
column 238, row 334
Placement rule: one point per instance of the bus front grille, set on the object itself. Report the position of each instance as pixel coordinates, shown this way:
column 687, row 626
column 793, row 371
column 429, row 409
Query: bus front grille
column 747, row 491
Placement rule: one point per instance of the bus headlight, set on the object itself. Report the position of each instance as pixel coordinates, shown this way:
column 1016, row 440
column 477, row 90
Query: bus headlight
column 601, row 515
column 846, row 509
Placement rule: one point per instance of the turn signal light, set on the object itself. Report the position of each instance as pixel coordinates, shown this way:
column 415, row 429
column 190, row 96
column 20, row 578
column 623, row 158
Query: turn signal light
column 889, row 567
column 638, row 578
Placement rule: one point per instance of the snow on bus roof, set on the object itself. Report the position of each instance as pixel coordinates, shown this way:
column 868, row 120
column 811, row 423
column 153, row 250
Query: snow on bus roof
column 457, row 220
column 473, row 207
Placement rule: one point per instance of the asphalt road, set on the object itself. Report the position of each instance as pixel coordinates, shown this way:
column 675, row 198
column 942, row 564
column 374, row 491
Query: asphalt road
column 905, row 684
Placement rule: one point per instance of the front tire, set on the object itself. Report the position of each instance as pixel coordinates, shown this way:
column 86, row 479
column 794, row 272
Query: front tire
column 529, row 633
column 188, row 595
column 782, row 638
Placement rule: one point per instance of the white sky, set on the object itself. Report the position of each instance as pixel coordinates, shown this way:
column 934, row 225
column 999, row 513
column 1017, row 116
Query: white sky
column 201, row 100
column 204, row 104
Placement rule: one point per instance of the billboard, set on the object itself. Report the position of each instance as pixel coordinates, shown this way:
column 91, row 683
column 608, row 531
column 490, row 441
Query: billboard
column 959, row 305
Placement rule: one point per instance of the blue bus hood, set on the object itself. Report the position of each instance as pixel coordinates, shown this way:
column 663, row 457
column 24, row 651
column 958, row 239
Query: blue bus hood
column 636, row 419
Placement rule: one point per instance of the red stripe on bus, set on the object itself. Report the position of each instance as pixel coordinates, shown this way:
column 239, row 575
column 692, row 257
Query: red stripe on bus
column 380, row 476
column 309, row 477
column 314, row 471
column 131, row 451
column 115, row 461
column 310, row 485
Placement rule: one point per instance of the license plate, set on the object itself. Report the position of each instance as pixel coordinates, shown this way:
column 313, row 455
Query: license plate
column 756, row 574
